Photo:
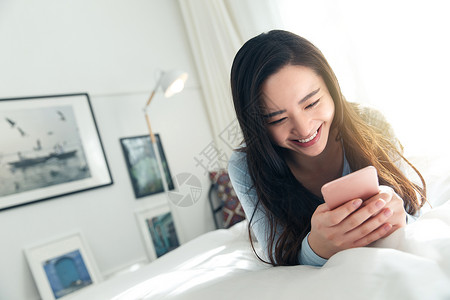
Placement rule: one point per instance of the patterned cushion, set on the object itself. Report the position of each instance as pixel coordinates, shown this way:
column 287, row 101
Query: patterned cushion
column 232, row 210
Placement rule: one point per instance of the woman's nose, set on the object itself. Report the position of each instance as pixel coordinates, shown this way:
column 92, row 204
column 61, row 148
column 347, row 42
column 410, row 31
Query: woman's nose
column 301, row 127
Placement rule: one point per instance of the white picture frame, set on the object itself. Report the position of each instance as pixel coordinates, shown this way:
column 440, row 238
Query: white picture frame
column 158, row 230
column 62, row 266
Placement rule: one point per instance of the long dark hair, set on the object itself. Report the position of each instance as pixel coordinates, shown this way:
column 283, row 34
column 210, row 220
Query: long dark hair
column 288, row 204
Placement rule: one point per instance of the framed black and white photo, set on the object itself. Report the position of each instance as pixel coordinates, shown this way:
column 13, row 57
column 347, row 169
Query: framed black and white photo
column 62, row 266
column 143, row 166
column 158, row 230
column 50, row 147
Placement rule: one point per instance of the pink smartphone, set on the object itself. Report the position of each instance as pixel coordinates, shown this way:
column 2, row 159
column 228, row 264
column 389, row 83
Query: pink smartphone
column 361, row 184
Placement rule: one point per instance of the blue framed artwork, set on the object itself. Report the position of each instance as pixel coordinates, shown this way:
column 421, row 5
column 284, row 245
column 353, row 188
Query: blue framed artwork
column 62, row 266
column 67, row 273
column 158, row 230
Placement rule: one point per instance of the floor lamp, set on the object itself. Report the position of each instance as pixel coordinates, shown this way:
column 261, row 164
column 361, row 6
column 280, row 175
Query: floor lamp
column 171, row 82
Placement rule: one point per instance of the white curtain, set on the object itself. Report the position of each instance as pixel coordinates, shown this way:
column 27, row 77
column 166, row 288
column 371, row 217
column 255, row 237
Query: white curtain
column 394, row 55
column 216, row 30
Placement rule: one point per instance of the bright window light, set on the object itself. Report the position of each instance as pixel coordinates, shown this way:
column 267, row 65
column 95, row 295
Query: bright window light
column 394, row 55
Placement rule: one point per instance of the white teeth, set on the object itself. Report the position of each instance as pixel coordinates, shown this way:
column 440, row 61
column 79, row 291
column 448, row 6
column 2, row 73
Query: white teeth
column 308, row 139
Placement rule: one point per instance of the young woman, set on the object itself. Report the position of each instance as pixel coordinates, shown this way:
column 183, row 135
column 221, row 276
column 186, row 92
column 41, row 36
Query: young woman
column 300, row 133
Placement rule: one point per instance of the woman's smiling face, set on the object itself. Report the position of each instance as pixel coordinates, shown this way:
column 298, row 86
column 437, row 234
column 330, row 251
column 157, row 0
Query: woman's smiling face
column 299, row 110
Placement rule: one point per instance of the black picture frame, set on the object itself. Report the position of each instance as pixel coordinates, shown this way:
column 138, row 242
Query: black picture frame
column 143, row 167
column 51, row 147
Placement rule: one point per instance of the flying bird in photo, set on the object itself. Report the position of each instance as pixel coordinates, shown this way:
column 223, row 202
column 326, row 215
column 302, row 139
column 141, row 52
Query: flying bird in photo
column 11, row 122
column 38, row 146
column 21, row 131
column 61, row 115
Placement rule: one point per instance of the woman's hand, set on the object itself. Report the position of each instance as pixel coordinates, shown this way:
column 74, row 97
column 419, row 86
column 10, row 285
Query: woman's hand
column 394, row 203
column 356, row 224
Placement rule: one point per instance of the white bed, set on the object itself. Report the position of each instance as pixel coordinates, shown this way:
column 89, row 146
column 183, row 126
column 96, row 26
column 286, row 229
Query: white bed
column 412, row 263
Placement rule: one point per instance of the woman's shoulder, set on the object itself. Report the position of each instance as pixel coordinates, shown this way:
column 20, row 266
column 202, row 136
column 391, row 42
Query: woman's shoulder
column 240, row 178
column 238, row 162
column 238, row 155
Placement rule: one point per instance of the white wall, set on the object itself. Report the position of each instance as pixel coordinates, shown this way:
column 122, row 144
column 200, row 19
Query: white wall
column 111, row 50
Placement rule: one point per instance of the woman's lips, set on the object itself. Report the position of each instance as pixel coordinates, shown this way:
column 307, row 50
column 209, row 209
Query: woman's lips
column 309, row 141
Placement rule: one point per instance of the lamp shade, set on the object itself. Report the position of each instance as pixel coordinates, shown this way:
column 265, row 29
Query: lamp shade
column 172, row 82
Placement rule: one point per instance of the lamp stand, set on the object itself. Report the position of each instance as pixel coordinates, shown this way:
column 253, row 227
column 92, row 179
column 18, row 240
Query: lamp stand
column 154, row 145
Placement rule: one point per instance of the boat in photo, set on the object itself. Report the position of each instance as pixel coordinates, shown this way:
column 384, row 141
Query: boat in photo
column 28, row 162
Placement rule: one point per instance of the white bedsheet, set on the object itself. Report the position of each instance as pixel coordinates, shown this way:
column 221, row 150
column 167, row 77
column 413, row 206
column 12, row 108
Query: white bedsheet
column 412, row 263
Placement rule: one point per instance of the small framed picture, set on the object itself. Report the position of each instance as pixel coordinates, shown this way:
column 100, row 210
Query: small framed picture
column 50, row 148
column 143, row 166
column 62, row 266
column 158, row 230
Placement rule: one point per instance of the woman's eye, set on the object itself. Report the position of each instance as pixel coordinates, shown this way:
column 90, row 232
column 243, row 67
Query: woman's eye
column 276, row 121
column 313, row 104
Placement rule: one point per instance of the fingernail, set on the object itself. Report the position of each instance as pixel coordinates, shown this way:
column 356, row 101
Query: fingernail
column 387, row 212
column 357, row 202
column 380, row 203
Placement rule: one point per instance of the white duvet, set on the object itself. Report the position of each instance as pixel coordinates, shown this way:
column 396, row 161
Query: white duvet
column 412, row 263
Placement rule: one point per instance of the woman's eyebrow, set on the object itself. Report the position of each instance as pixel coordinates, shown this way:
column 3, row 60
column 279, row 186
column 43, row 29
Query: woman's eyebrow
column 274, row 114
column 299, row 102
column 308, row 96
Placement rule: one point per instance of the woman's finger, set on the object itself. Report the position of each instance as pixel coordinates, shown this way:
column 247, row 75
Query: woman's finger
column 369, row 226
column 357, row 218
column 337, row 215
column 375, row 235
